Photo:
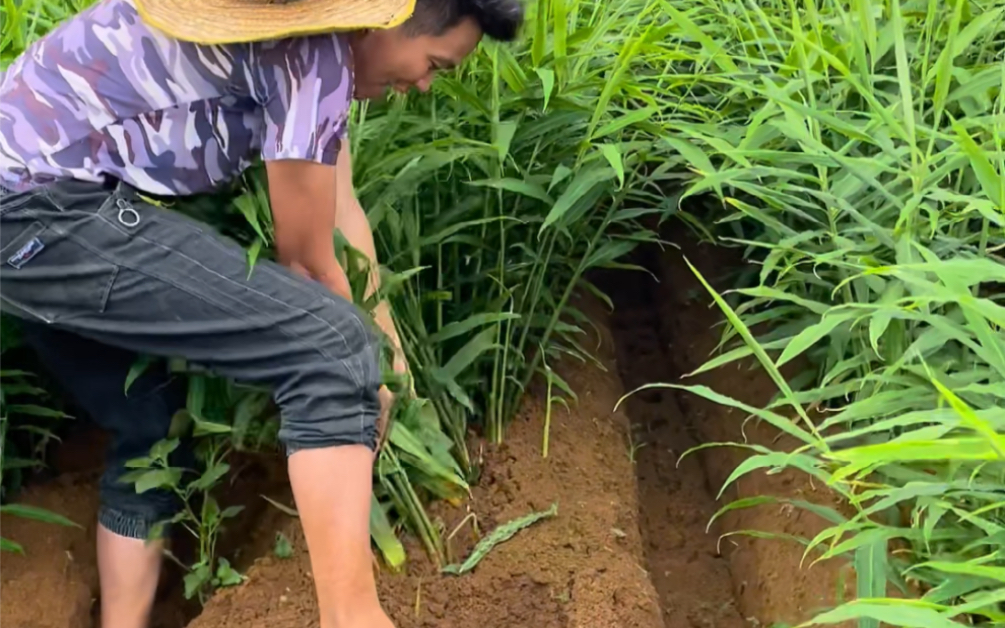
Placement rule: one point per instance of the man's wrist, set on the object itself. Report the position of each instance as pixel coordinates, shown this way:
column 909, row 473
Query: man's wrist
column 384, row 320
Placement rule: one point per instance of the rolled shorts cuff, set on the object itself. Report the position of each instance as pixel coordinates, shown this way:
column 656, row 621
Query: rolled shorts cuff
column 129, row 525
column 297, row 441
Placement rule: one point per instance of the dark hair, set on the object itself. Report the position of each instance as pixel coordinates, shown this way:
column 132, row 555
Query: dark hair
column 499, row 19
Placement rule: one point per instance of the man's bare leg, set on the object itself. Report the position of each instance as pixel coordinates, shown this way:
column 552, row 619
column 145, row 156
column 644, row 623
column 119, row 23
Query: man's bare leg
column 129, row 569
column 332, row 487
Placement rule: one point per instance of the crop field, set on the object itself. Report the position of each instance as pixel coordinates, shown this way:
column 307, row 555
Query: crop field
column 704, row 304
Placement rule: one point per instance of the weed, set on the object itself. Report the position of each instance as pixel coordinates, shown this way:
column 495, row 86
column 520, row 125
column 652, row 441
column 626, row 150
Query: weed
column 282, row 547
column 200, row 514
column 633, row 445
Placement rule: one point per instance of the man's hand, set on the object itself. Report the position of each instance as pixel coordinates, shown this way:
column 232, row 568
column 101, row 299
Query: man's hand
column 383, row 423
column 303, row 196
column 387, row 398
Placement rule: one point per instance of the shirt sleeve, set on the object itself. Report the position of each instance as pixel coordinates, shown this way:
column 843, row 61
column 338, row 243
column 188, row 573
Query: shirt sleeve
column 304, row 86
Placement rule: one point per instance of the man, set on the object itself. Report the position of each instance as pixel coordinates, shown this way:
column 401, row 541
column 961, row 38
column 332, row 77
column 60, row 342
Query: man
column 176, row 97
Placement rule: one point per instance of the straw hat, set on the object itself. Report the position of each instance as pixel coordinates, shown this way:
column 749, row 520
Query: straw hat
column 232, row 21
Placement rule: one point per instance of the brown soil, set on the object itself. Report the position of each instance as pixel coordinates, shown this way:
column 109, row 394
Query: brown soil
column 55, row 583
column 628, row 548
column 583, row 568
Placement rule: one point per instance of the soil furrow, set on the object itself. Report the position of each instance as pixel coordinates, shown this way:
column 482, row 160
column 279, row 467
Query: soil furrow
column 690, row 576
column 770, row 583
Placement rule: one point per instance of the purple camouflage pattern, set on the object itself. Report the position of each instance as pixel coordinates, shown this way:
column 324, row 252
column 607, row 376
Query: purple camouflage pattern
column 105, row 94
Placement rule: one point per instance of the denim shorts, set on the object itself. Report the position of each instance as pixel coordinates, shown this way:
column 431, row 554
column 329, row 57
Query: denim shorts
column 99, row 276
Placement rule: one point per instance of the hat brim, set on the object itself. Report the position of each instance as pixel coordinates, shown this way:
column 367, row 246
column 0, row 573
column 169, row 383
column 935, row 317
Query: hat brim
column 234, row 21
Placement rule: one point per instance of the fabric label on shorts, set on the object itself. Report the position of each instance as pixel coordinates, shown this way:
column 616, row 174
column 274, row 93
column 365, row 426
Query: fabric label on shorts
column 26, row 253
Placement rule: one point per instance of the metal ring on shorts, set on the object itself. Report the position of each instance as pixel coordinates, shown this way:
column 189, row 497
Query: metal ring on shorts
column 128, row 216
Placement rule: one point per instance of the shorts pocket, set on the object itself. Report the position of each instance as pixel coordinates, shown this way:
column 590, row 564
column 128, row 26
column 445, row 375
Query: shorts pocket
column 47, row 274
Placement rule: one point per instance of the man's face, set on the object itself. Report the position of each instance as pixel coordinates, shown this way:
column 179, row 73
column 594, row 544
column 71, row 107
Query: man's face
column 393, row 59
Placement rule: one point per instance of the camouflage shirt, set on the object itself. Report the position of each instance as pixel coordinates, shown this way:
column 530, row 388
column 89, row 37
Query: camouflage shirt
column 105, row 94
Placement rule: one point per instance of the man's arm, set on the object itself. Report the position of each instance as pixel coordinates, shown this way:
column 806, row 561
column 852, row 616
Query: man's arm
column 351, row 220
column 304, row 214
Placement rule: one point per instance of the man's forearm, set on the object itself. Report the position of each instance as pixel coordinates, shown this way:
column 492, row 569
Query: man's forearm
column 351, row 221
column 385, row 320
column 304, row 213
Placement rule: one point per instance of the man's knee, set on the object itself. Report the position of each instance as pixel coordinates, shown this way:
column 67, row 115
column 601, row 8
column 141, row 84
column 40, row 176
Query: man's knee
column 331, row 402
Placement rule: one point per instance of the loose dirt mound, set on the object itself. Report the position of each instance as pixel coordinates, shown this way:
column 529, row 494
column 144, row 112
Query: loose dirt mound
column 583, row 568
column 55, row 583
